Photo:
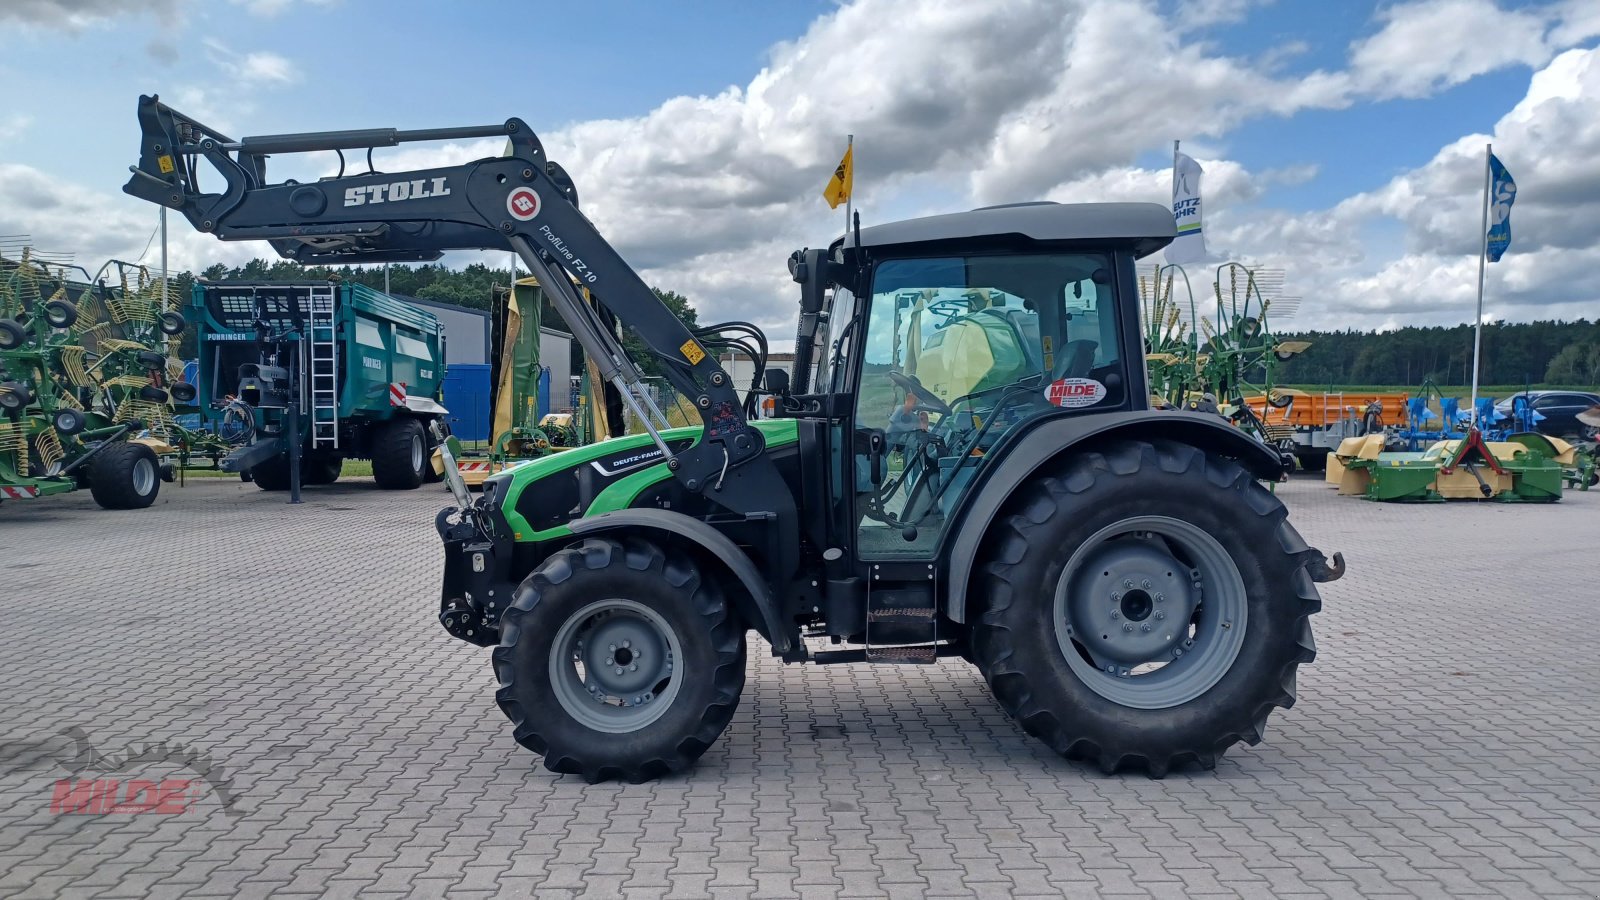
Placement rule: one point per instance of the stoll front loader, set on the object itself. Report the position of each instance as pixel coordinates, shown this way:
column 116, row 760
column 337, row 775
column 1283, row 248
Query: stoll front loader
column 975, row 473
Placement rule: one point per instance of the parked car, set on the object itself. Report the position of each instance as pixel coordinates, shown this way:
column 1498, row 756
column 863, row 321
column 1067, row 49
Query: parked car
column 1560, row 410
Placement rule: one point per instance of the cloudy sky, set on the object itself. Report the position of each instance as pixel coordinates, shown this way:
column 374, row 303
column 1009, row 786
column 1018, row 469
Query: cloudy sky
column 1343, row 142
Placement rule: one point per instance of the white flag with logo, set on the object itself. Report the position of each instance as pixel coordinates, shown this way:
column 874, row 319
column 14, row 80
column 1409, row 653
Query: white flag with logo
column 1190, row 244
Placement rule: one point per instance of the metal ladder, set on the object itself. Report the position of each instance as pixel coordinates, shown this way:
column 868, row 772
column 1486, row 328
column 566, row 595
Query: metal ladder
column 324, row 368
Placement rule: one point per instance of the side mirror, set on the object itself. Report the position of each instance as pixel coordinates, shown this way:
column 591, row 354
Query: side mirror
column 777, row 382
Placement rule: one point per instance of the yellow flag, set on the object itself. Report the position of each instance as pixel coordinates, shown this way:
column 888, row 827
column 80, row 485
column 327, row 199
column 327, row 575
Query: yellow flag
column 838, row 189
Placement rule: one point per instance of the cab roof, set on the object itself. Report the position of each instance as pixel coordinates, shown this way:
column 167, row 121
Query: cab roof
column 1147, row 227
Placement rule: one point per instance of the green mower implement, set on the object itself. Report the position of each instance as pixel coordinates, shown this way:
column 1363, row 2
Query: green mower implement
column 976, row 472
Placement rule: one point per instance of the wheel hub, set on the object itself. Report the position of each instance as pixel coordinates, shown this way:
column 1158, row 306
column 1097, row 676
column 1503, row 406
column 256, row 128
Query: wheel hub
column 1132, row 602
column 614, row 665
column 623, row 659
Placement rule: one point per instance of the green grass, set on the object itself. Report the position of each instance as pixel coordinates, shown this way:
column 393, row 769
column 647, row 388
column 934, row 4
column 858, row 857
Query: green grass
column 353, row 468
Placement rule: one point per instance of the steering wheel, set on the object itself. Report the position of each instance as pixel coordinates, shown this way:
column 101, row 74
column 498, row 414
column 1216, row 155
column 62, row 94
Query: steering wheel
column 923, row 395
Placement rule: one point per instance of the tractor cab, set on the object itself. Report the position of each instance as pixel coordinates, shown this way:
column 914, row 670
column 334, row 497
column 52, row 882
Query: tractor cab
column 948, row 337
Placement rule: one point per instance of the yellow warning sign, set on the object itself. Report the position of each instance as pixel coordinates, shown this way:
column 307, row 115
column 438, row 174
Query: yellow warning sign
column 692, row 352
column 165, row 162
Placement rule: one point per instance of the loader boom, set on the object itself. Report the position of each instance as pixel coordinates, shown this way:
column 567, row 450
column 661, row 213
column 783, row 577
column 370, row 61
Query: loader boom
column 521, row 202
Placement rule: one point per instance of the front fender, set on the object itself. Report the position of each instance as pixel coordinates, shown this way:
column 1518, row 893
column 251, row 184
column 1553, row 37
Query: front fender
column 761, row 610
column 1053, row 438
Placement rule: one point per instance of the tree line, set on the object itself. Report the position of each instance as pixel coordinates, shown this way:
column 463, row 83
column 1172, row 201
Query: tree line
column 1513, row 353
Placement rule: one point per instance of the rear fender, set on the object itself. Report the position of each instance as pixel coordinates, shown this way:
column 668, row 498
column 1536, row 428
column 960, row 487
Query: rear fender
column 755, row 602
column 1053, row 439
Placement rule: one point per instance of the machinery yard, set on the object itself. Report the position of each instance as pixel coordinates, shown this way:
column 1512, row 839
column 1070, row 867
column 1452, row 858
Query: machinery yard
column 1444, row 743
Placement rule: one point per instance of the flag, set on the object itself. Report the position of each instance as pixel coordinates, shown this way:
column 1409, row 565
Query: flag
column 1190, row 244
column 844, row 178
column 1502, row 193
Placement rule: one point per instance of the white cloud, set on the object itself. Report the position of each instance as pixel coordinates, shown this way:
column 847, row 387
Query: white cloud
column 76, row 15
column 54, row 213
column 12, row 125
column 268, row 9
column 1433, row 44
column 262, row 67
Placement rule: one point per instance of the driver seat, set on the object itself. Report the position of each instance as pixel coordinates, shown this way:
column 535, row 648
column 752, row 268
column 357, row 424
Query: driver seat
column 1075, row 360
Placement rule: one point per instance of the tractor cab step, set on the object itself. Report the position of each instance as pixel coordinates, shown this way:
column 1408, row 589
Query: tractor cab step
column 902, row 625
column 921, row 655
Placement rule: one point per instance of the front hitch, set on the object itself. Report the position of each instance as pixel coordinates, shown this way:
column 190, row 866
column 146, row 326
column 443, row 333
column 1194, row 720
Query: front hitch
column 470, row 602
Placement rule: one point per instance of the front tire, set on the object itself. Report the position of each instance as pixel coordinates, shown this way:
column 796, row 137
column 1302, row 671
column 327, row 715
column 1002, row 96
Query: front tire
column 1205, row 548
column 125, row 476
column 562, row 644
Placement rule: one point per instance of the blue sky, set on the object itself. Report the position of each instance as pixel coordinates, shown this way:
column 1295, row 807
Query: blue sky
column 1332, row 133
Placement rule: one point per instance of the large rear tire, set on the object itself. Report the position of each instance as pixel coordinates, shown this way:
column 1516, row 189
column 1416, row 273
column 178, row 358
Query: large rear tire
column 618, row 662
column 400, row 455
column 125, row 476
column 1146, row 606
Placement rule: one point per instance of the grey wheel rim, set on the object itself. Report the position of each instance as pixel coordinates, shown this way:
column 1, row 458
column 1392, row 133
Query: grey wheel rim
column 615, row 666
column 144, row 477
column 1150, row 612
column 416, row 453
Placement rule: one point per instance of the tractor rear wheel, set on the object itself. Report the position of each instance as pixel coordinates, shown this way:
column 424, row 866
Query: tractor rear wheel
column 616, row 661
column 399, row 455
column 1147, row 607
column 124, row 476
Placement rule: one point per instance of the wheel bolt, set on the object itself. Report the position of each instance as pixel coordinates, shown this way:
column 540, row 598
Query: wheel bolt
column 1128, row 627
column 610, row 661
column 1145, row 627
column 1177, row 653
column 1145, row 584
column 634, row 667
column 1160, row 614
column 1161, row 598
column 1111, row 669
column 1115, row 614
column 619, row 670
column 1127, row 582
column 613, row 648
column 625, row 643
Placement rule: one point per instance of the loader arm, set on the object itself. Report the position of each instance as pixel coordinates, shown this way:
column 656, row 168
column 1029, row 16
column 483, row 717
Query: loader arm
column 521, row 202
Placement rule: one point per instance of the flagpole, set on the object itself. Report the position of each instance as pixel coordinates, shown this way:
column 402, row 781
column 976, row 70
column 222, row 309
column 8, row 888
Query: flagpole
column 1483, row 256
column 849, row 146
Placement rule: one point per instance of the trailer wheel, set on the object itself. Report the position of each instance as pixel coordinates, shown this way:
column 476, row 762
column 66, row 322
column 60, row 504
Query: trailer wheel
column 68, row 421
column 15, row 395
column 618, row 662
column 273, row 474
column 12, row 335
column 125, row 476
column 399, row 455
column 173, row 323
column 1146, row 606
column 321, row 468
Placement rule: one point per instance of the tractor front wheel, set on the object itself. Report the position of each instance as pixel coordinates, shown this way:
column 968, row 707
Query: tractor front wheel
column 616, row 661
column 1147, row 606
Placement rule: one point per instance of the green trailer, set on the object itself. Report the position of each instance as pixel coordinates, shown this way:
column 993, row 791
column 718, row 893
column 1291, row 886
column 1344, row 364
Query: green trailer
column 334, row 370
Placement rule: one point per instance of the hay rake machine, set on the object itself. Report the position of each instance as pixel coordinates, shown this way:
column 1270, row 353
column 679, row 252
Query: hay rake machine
column 86, row 391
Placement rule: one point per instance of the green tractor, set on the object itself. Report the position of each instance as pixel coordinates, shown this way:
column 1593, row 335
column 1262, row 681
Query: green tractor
column 963, row 463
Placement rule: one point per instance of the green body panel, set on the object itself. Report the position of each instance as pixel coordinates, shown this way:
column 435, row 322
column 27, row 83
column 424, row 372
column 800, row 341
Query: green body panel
column 778, row 433
column 394, row 343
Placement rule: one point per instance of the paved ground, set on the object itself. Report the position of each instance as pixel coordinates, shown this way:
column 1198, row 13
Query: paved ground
column 1447, row 741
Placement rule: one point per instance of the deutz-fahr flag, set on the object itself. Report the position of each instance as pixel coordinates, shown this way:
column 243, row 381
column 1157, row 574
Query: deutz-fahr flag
column 838, row 189
column 1502, row 193
column 1190, row 244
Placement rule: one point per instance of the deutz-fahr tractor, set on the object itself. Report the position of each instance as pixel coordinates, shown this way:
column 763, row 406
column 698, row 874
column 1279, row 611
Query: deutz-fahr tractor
column 962, row 463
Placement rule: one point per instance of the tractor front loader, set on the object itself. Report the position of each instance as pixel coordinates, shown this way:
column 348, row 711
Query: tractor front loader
column 963, row 462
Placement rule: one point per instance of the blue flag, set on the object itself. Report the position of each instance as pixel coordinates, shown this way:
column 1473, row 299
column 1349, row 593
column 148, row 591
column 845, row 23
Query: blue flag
column 1502, row 193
